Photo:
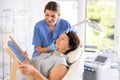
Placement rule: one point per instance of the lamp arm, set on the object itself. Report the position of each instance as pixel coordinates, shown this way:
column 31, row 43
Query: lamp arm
column 79, row 23
column 90, row 23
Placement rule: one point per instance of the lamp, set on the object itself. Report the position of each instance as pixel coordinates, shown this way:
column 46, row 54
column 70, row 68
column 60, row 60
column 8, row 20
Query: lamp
column 94, row 26
column 90, row 23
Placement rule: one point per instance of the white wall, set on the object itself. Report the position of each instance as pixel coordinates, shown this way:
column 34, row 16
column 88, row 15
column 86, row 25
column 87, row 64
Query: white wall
column 117, row 28
column 82, row 17
column 35, row 12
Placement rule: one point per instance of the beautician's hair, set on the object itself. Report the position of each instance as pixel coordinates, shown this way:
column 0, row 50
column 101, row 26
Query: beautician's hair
column 52, row 5
column 74, row 41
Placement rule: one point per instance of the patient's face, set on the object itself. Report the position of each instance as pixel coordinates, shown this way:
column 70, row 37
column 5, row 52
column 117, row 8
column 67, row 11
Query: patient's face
column 62, row 43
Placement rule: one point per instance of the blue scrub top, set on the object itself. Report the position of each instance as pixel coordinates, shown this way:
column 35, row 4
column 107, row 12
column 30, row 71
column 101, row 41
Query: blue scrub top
column 42, row 35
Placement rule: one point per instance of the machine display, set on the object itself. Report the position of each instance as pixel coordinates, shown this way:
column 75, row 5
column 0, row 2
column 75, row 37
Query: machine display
column 101, row 60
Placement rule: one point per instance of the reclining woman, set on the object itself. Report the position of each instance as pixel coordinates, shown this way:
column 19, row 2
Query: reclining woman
column 53, row 66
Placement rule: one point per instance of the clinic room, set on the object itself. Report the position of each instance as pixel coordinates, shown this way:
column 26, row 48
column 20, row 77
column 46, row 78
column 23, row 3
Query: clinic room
column 59, row 40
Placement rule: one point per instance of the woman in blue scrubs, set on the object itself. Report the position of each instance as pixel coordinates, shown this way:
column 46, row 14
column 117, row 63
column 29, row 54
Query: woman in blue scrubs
column 48, row 30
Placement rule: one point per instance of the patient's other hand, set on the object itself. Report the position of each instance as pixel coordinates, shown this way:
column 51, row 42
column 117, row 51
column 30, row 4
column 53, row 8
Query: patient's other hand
column 25, row 54
column 26, row 69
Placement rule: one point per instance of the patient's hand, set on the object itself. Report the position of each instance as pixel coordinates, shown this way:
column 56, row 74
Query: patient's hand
column 25, row 54
column 26, row 69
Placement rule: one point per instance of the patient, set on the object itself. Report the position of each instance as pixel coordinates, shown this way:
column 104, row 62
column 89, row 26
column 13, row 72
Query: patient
column 53, row 66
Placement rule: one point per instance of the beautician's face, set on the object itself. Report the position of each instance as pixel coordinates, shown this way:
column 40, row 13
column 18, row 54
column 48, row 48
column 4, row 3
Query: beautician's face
column 62, row 43
column 51, row 17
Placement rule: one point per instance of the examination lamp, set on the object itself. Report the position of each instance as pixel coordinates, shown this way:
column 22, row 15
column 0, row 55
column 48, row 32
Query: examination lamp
column 90, row 23
column 94, row 26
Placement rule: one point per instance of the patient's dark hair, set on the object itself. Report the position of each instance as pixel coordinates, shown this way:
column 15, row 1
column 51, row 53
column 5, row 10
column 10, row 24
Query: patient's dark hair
column 73, row 41
column 52, row 5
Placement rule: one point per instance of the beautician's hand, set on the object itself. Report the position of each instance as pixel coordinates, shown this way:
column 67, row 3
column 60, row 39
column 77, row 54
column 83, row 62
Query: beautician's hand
column 53, row 47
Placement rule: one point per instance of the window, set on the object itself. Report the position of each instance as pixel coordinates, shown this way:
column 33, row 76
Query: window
column 102, row 12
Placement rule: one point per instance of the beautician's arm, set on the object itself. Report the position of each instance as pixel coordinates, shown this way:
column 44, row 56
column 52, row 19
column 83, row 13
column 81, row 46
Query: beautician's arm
column 43, row 50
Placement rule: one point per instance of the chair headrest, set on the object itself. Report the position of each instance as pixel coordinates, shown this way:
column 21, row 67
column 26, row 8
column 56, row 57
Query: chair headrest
column 74, row 55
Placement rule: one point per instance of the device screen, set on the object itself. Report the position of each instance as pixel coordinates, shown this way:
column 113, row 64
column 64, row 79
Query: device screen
column 101, row 59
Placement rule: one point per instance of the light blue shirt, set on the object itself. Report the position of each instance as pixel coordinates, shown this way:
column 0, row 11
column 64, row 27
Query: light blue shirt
column 42, row 35
column 46, row 62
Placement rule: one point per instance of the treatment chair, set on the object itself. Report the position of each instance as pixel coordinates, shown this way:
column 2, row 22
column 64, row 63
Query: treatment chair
column 75, row 58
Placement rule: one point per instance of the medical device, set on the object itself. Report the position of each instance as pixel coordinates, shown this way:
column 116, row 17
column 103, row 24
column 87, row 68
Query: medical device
column 100, row 67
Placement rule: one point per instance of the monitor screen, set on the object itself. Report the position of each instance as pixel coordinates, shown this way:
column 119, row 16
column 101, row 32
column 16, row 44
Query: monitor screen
column 101, row 59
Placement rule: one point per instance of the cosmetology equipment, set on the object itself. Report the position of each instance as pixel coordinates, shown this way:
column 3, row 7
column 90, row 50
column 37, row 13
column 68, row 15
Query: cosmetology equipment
column 100, row 68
